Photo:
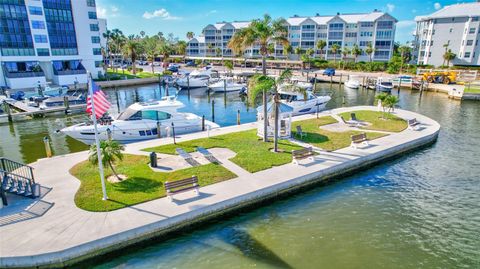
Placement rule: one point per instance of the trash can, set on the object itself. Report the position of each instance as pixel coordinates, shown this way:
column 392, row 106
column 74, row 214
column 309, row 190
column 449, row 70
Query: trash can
column 153, row 159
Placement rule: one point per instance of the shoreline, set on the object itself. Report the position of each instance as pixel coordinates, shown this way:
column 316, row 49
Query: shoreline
column 169, row 217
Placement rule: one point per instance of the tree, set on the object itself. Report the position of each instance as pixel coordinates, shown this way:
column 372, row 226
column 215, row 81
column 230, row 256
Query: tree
column 388, row 103
column 449, row 56
column 228, row 65
column 370, row 50
column 345, row 53
column 181, row 48
column 110, row 150
column 218, row 52
column 132, row 49
column 165, row 49
column 262, row 32
column 404, row 55
column 297, row 51
column 151, row 49
column 356, row 51
column 287, row 49
column 259, row 84
column 190, row 35
column 321, row 44
column 142, row 34
column 306, row 57
column 335, row 48
column 117, row 41
column 446, row 50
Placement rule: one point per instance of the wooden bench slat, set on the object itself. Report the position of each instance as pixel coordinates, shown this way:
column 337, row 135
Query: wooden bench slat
column 182, row 185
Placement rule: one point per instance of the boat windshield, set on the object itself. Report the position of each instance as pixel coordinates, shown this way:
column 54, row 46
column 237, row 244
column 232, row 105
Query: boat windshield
column 132, row 114
column 386, row 83
column 200, row 76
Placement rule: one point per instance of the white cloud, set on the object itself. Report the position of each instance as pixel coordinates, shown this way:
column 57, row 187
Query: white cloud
column 390, row 7
column 107, row 12
column 437, row 6
column 159, row 13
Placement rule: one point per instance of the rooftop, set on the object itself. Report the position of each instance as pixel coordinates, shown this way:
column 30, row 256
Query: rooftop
column 456, row 10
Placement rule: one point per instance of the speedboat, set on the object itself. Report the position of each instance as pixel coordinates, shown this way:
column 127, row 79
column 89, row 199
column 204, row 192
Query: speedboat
column 301, row 84
column 198, row 78
column 353, row 82
column 226, row 85
column 405, row 80
column 303, row 102
column 141, row 121
column 384, row 84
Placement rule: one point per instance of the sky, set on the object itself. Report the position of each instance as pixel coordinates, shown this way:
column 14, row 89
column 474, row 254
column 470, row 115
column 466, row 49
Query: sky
column 180, row 16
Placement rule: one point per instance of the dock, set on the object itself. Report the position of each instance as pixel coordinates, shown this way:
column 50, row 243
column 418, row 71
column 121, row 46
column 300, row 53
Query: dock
column 25, row 110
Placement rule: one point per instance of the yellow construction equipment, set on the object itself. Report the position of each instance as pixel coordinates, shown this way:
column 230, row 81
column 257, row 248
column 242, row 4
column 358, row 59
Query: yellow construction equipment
column 445, row 77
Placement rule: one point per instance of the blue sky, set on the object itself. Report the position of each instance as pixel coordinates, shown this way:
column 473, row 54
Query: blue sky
column 181, row 16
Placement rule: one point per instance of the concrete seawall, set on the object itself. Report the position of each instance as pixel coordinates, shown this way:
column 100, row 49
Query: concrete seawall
column 128, row 82
column 227, row 197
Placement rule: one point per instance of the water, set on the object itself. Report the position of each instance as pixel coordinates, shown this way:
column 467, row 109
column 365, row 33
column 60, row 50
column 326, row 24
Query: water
column 419, row 211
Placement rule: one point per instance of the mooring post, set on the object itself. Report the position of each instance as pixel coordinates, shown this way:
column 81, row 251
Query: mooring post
column 9, row 112
column 66, row 104
column 203, row 122
column 399, row 86
column 118, row 101
column 159, row 129
column 340, row 82
column 331, row 80
column 315, row 83
column 343, row 100
column 188, row 82
column 48, row 149
column 238, row 117
column 173, row 133
column 213, row 110
column 109, row 134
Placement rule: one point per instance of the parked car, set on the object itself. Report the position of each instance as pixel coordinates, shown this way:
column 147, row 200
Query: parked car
column 173, row 68
column 329, row 72
column 191, row 63
column 156, row 63
column 258, row 68
column 174, row 65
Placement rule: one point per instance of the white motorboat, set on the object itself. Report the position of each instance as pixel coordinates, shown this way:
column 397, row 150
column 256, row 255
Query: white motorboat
column 297, row 81
column 227, row 84
column 140, row 121
column 353, row 82
column 303, row 103
column 404, row 80
column 198, row 78
column 384, row 84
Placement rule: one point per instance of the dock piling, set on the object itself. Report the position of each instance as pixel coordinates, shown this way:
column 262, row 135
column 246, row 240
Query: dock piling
column 173, row 134
column 159, row 129
column 315, row 83
column 48, row 149
column 66, row 104
column 213, row 110
column 238, row 117
column 8, row 111
column 203, row 122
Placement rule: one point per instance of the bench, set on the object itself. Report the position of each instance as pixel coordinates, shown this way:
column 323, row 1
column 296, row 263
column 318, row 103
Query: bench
column 413, row 124
column 182, row 185
column 300, row 132
column 359, row 139
column 186, row 156
column 301, row 154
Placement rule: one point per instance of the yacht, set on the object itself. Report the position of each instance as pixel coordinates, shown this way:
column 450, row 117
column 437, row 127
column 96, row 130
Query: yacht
column 140, row 121
column 227, row 84
column 353, row 82
column 384, row 84
column 198, row 78
column 303, row 103
column 405, row 80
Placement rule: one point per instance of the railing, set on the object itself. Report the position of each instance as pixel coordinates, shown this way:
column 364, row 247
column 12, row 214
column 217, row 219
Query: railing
column 69, row 72
column 24, row 74
column 16, row 168
column 18, row 179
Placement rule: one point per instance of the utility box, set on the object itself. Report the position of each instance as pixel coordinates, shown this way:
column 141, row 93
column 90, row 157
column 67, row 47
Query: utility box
column 153, row 159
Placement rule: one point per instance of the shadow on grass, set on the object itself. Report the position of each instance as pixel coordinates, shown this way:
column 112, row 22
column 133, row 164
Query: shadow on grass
column 138, row 184
column 315, row 138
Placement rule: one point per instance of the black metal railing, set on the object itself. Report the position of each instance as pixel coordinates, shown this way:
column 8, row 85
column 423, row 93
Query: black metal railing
column 16, row 168
column 24, row 74
column 69, row 72
column 17, row 178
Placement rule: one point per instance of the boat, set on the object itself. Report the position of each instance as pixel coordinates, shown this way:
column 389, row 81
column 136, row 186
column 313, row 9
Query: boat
column 404, row 80
column 353, row 82
column 199, row 78
column 46, row 92
column 384, row 84
column 303, row 102
column 227, row 84
column 141, row 121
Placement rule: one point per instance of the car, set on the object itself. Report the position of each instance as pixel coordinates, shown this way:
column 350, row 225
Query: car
column 329, row 72
column 191, row 63
column 173, row 68
column 258, row 68
column 156, row 63
column 174, row 65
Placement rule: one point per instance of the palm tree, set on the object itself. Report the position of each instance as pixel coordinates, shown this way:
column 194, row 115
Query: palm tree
column 297, row 51
column 321, row 44
column 446, row 50
column 111, row 151
column 262, row 32
column 306, row 57
column 165, row 49
column 356, row 51
column 142, row 34
column 151, row 49
column 370, row 50
column 345, row 53
column 449, row 56
column 108, row 36
column 335, row 48
column 218, row 52
column 181, row 48
column 229, row 66
column 132, row 49
column 260, row 84
column 117, row 40
column 404, row 53
column 388, row 102
column 190, row 35
column 287, row 49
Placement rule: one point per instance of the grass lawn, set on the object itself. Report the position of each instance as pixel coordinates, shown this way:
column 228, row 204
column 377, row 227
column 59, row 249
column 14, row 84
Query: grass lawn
column 142, row 184
column 392, row 123
column 324, row 139
column 475, row 90
column 129, row 74
column 252, row 154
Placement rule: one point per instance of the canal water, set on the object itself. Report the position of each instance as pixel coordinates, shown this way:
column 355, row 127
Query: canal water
column 418, row 211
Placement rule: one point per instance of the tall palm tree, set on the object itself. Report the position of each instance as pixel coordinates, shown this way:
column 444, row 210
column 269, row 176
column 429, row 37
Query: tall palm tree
column 404, row 54
column 335, row 48
column 132, row 49
column 108, row 50
column 297, row 51
column 446, row 50
column 118, row 40
column 190, row 35
column 321, row 44
column 356, row 51
column 165, row 49
column 181, row 48
column 449, row 56
column 218, row 52
column 151, row 49
column 110, row 150
column 345, row 53
column 370, row 50
column 287, row 50
column 261, row 32
column 142, row 34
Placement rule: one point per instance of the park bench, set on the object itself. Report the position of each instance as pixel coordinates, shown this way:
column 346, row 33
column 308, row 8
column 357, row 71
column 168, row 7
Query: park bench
column 359, row 139
column 179, row 186
column 301, row 154
column 413, row 124
column 186, row 156
column 207, row 154
column 300, row 132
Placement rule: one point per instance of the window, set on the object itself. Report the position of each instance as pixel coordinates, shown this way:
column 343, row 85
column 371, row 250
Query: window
column 16, row 67
column 308, row 44
column 382, row 54
column 91, row 3
column 322, row 35
column 384, row 34
column 322, row 27
column 469, row 42
column 365, row 43
column 294, row 44
column 43, row 52
column 330, row 43
column 35, row 10
column 352, row 26
column 383, row 44
column 385, row 25
column 96, row 39
column 335, row 35
column 336, row 26
column 308, row 27
column 350, row 34
column 294, row 28
column 92, row 15
column 308, row 36
column 97, row 51
column 40, row 39
column 61, row 30
column 366, row 24
column 94, row 27
column 38, row 25
column 472, row 30
column 150, row 115
column 451, row 30
column 466, row 55
column 366, row 34
column 295, row 35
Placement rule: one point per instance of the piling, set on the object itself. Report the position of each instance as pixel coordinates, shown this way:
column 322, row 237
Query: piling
column 66, row 104
column 8, row 111
column 399, row 85
column 343, row 100
column 238, row 117
column 363, row 83
column 173, row 133
column 203, row 122
column 315, row 83
column 159, row 129
column 213, row 110
column 116, row 96
column 48, row 149
column 340, row 82
column 109, row 134
column 331, row 80
column 188, row 82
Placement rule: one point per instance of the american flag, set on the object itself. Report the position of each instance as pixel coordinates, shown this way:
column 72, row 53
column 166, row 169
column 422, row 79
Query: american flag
column 99, row 100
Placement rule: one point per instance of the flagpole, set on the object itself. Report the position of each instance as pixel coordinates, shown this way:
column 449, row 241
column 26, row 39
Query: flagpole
column 97, row 141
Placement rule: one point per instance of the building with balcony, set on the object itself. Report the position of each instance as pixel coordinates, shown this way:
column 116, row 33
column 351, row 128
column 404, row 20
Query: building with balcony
column 48, row 41
column 455, row 27
column 376, row 29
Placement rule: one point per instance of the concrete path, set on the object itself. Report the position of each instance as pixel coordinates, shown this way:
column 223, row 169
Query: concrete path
column 65, row 231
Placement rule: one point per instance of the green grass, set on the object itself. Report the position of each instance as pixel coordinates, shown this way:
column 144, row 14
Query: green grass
column 253, row 155
column 324, row 139
column 474, row 90
column 391, row 123
column 129, row 74
column 142, row 184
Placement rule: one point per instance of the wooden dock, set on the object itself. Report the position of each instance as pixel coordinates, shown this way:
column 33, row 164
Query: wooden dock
column 26, row 110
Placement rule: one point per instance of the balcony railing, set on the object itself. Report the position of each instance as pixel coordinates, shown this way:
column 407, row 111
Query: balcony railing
column 24, row 74
column 69, row 72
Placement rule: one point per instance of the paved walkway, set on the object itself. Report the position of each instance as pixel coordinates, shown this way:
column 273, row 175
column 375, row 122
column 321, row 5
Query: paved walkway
column 66, row 231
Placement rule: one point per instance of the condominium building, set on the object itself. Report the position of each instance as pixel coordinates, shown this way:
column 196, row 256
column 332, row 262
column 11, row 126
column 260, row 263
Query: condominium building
column 48, row 41
column 455, row 27
column 376, row 29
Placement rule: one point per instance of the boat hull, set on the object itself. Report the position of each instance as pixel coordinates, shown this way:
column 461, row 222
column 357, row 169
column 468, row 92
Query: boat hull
column 306, row 107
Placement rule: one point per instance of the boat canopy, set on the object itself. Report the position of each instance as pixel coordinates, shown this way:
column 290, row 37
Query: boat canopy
column 282, row 109
column 167, row 106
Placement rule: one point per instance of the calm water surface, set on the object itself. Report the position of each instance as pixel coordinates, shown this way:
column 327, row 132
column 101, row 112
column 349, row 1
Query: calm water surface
column 419, row 211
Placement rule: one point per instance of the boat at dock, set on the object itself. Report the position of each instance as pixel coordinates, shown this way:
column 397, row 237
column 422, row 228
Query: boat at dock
column 384, row 84
column 353, row 82
column 141, row 121
column 404, row 80
column 226, row 84
column 199, row 78
column 303, row 102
